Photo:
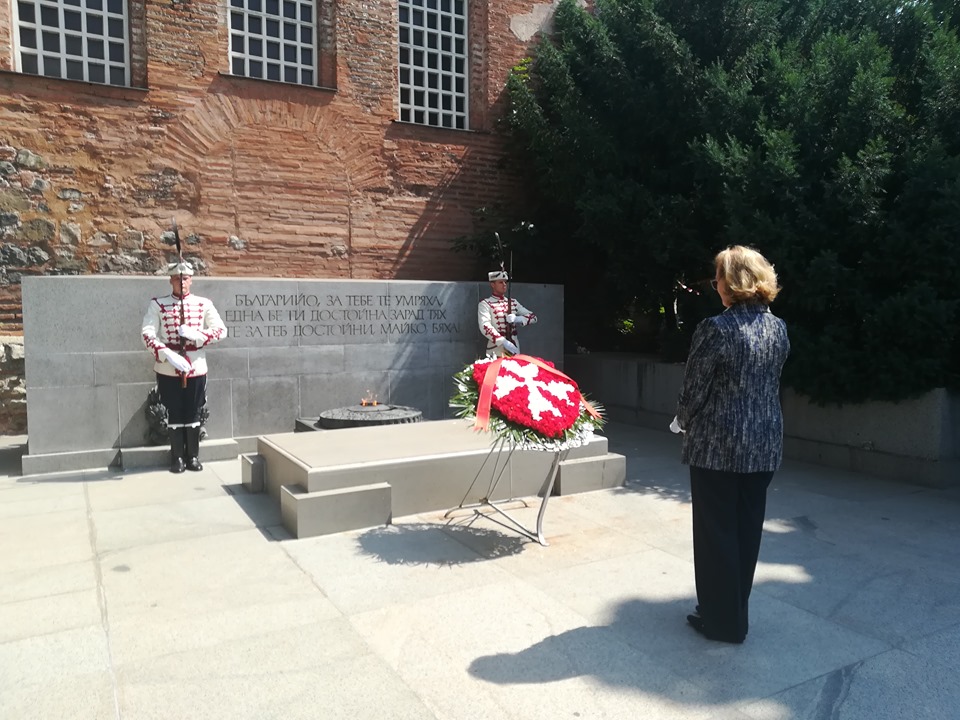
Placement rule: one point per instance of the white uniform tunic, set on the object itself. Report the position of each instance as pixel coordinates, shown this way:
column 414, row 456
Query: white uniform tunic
column 491, row 318
column 160, row 326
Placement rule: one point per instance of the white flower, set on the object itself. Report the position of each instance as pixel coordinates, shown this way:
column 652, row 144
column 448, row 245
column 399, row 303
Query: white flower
column 537, row 400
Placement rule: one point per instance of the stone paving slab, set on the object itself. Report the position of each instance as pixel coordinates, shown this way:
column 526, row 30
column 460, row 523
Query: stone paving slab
column 57, row 675
column 43, row 540
column 49, row 614
column 513, row 638
column 319, row 670
column 164, row 522
column 143, row 595
column 892, row 684
column 88, row 695
column 140, row 488
column 39, row 582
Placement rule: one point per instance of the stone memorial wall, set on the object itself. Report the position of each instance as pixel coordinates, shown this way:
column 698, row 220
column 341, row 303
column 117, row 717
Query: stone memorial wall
column 295, row 348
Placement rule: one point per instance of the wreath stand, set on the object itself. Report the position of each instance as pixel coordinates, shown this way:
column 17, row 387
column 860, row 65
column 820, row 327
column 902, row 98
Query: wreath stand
column 508, row 521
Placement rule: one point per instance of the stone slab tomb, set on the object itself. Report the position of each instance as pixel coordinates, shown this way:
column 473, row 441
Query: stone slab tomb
column 338, row 480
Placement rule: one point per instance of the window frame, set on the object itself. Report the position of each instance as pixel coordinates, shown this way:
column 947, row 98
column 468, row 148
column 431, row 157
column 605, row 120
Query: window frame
column 419, row 83
column 67, row 36
column 257, row 10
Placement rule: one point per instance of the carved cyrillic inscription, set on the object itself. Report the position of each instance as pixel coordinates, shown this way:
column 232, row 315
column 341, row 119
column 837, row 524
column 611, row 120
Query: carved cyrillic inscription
column 344, row 316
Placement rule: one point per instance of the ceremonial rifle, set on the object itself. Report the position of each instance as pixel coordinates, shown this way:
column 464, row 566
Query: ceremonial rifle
column 183, row 350
column 509, row 328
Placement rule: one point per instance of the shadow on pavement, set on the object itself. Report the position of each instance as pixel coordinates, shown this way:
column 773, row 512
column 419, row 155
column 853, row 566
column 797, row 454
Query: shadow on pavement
column 417, row 544
column 11, row 451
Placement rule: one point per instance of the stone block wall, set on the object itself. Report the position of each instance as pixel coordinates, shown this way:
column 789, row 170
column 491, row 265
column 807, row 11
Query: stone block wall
column 294, row 349
column 916, row 441
column 13, row 389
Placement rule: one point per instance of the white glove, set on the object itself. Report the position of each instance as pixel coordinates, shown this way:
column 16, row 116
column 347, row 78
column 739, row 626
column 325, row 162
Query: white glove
column 510, row 347
column 516, row 319
column 675, row 426
column 191, row 334
column 178, row 361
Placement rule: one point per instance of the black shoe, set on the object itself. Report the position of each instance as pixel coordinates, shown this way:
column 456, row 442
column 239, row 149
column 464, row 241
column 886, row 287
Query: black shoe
column 176, row 450
column 696, row 622
column 696, row 611
column 194, row 464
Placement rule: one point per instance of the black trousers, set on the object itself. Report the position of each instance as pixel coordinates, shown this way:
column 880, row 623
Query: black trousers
column 728, row 512
column 183, row 404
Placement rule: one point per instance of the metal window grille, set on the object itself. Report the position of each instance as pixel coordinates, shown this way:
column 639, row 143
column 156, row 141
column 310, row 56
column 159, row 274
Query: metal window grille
column 74, row 39
column 433, row 62
column 273, row 40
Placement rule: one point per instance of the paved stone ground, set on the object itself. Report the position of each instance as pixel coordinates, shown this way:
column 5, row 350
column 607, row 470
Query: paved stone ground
column 145, row 595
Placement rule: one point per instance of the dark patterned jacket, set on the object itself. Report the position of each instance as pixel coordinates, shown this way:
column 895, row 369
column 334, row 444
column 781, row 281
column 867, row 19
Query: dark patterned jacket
column 729, row 404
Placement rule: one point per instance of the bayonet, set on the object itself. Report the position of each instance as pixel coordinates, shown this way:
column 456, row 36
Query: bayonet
column 509, row 328
column 176, row 238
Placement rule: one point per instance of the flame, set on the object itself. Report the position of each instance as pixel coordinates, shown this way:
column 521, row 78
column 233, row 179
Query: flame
column 369, row 399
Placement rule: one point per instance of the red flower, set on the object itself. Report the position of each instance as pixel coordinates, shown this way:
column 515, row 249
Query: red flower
column 533, row 396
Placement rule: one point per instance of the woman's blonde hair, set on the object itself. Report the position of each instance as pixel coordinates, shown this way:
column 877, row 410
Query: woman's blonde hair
column 748, row 274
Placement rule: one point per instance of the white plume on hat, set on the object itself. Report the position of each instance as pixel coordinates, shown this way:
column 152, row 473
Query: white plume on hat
column 181, row 268
column 497, row 275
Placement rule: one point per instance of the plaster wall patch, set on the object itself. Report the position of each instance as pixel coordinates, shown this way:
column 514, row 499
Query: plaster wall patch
column 539, row 19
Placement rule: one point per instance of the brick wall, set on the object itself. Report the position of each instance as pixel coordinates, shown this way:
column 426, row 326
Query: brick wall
column 263, row 178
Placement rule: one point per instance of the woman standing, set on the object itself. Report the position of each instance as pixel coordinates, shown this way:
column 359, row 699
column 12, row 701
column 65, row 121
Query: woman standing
column 729, row 410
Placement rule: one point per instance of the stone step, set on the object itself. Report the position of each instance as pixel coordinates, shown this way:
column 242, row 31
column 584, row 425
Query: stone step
column 588, row 474
column 138, row 458
column 308, row 514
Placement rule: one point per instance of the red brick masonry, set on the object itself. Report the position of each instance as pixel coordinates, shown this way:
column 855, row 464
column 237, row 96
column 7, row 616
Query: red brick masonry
column 264, row 178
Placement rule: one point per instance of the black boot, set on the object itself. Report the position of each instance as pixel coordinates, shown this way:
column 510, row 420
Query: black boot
column 193, row 448
column 176, row 450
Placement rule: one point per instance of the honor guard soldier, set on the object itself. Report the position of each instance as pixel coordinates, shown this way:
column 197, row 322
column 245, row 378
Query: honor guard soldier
column 499, row 316
column 176, row 329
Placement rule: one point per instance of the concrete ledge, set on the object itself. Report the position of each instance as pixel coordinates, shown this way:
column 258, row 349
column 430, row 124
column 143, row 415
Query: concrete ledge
column 159, row 456
column 280, row 468
column 589, row 474
column 246, row 444
column 135, row 458
column 914, row 470
column 64, row 461
column 307, row 425
column 308, row 514
column 915, row 441
column 252, row 472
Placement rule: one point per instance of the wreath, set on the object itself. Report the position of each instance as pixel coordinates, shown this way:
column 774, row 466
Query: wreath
column 526, row 401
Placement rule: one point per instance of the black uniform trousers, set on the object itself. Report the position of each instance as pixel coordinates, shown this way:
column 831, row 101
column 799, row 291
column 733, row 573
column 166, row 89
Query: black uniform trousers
column 183, row 403
column 728, row 512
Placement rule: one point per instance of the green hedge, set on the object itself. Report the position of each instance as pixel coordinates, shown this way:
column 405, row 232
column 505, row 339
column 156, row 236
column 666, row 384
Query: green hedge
column 825, row 134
